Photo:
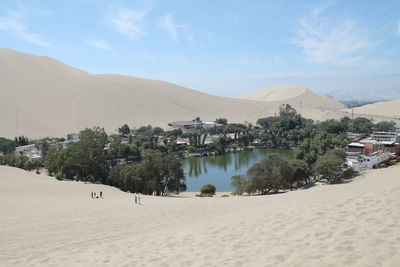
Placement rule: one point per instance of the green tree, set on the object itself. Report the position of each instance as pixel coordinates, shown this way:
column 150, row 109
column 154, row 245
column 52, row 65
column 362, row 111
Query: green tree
column 155, row 174
column 172, row 175
column 385, row 126
column 6, row 145
column 21, row 141
column 240, row 183
column 208, row 189
column 274, row 173
column 333, row 126
column 124, row 129
column 85, row 160
column 329, row 165
column 362, row 125
column 145, row 130
column 53, row 161
column 118, row 150
column 301, row 170
column 222, row 121
column 158, row 131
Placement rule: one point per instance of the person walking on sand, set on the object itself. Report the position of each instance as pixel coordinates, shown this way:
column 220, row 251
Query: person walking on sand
column 92, row 194
column 135, row 199
column 101, row 194
column 139, row 200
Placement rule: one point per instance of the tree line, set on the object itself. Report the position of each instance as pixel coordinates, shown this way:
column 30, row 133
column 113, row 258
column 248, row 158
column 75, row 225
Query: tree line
column 94, row 158
column 147, row 162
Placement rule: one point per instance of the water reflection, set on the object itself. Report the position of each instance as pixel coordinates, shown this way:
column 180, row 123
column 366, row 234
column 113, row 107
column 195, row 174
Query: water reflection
column 223, row 167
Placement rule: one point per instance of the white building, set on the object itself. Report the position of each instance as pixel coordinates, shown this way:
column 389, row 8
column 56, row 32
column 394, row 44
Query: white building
column 209, row 124
column 30, row 151
column 384, row 136
column 182, row 141
column 364, row 162
column 186, row 125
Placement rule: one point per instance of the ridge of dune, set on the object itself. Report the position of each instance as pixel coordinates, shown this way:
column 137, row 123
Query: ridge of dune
column 43, row 97
column 388, row 108
column 45, row 222
column 297, row 96
column 276, row 93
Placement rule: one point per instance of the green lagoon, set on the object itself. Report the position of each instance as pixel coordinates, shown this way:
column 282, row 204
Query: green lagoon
column 218, row 170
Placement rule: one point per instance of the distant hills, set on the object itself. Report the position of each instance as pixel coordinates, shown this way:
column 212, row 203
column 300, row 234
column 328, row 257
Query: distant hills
column 41, row 96
column 387, row 109
column 297, row 96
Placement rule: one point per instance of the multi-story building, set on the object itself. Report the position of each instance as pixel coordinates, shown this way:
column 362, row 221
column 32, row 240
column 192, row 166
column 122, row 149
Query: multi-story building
column 364, row 162
column 384, row 136
column 30, row 151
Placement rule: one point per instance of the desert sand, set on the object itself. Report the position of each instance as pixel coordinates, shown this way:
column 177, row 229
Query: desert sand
column 45, row 222
column 310, row 104
column 293, row 95
column 385, row 109
column 41, row 96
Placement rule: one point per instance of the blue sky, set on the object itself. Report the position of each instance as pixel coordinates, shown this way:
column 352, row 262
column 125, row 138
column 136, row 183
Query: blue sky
column 348, row 49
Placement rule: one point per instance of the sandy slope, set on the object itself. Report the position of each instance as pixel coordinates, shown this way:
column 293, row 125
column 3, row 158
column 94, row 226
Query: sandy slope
column 44, row 222
column 41, row 96
column 276, row 93
column 388, row 108
column 293, row 95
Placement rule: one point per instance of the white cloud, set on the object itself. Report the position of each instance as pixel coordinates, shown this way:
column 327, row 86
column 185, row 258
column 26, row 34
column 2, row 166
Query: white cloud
column 128, row 22
column 167, row 23
column 97, row 43
column 188, row 35
column 319, row 9
column 175, row 31
column 322, row 41
column 13, row 23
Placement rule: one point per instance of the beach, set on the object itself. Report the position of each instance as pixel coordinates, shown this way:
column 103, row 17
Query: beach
column 45, row 222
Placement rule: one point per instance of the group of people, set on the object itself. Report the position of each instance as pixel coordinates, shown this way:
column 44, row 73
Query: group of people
column 137, row 200
column 94, row 195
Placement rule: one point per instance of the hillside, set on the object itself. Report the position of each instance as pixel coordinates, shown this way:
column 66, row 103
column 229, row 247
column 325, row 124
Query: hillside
column 386, row 109
column 42, row 97
column 297, row 96
column 46, row 222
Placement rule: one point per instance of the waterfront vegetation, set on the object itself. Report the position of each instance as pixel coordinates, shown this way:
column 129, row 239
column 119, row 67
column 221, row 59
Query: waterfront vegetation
column 208, row 190
column 145, row 160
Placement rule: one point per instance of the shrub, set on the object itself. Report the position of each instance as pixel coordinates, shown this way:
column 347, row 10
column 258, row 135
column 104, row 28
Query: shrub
column 204, row 195
column 59, row 176
column 208, row 189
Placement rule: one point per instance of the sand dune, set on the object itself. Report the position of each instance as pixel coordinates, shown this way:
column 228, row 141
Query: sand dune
column 45, row 222
column 41, row 96
column 276, row 93
column 294, row 95
column 388, row 108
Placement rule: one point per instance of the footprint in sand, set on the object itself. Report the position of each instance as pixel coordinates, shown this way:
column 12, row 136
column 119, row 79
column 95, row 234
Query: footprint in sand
column 350, row 232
